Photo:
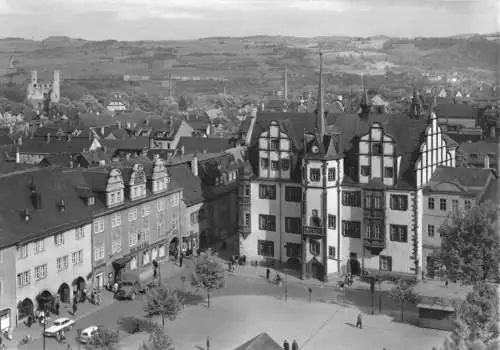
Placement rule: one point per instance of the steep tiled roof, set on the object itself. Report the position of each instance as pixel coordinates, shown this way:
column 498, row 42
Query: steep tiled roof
column 467, row 177
column 245, row 125
column 203, row 187
column 54, row 147
column 203, row 144
column 57, row 160
column 53, row 186
column 453, row 110
column 492, row 192
column 475, row 152
column 134, row 143
column 407, row 133
column 5, row 140
column 261, row 342
column 198, row 124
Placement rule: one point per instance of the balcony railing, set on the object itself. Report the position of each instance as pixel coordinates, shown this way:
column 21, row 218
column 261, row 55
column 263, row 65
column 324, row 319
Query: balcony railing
column 313, row 230
column 373, row 213
column 374, row 243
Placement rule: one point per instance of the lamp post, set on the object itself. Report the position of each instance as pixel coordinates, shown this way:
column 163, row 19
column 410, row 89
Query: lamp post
column 286, row 284
column 44, row 325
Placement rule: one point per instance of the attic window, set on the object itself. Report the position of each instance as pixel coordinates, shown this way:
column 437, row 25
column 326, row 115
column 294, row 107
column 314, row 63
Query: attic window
column 61, row 205
column 90, row 201
column 474, row 155
column 26, row 215
column 377, row 148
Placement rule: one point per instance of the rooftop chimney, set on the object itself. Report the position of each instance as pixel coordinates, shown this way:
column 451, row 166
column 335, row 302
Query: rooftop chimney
column 486, row 161
column 18, row 156
column 26, row 214
column 62, row 205
column 48, row 137
column 194, row 165
column 320, row 118
column 102, row 130
column 182, row 150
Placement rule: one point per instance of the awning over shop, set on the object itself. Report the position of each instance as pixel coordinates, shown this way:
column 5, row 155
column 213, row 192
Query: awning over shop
column 121, row 262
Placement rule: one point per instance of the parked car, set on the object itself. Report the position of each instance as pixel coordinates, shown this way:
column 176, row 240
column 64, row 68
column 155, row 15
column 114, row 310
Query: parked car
column 60, row 325
column 88, row 334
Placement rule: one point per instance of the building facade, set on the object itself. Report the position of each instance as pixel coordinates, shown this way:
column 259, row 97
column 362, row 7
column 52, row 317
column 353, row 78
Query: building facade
column 137, row 217
column 450, row 191
column 343, row 197
column 45, row 241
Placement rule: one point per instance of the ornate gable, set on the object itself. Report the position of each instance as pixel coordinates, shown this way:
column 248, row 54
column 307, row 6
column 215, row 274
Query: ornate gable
column 114, row 188
column 160, row 177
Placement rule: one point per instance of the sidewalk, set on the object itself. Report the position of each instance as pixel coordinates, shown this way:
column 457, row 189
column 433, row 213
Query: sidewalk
column 168, row 270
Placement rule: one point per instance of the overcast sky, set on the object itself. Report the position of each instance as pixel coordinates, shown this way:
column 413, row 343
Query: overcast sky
column 186, row 19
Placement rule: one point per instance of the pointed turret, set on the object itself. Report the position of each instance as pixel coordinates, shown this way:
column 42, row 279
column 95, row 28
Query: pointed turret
column 320, row 118
column 365, row 102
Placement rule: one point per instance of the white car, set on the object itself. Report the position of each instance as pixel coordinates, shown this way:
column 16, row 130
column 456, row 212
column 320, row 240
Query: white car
column 88, row 333
column 60, row 325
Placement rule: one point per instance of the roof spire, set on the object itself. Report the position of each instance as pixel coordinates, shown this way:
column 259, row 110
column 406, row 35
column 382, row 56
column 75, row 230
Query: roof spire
column 320, row 118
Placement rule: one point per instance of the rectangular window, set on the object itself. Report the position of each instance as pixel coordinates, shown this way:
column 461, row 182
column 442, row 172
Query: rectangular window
column 351, row 229
column 265, row 248
column 116, row 220
column 132, row 236
column 275, row 144
column 275, row 165
column 467, row 204
column 442, row 204
column 385, row 263
column 22, row 251
column 430, row 203
column 430, row 230
column 160, row 204
column 193, row 218
column 79, row 233
column 399, row 233
column 332, row 222
column 292, row 225
column 267, row 192
column 388, row 172
column 374, row 230
column 293, row 194
column 39, row 246
column 99, row 253
column 267, row 222
column 399, row 202
column 285, row 164
column 454, row 205
column 365, row 170
column 314, row 174
column 351, row 198
column 264, row 163
column 59, row 239
column 62, row 263
column 331, row 252
column 40, row 272
column 132, row 214
column 99, row 225
column 24, row 279
column 294, row 250
column 247, row 219
column 77, row 257
column 374, row 200
column 377, row 148
column 145, row 210
column 331, row 174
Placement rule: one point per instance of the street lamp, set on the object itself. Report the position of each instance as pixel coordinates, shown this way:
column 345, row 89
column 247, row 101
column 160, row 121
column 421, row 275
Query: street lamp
column 286, row 284
column 45, row 308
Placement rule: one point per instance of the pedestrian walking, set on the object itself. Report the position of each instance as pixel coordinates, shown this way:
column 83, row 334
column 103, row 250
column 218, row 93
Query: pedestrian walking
column 446, row 284
column 268, row 273
column 75, row 308
column 181, row 258
column 359, row 321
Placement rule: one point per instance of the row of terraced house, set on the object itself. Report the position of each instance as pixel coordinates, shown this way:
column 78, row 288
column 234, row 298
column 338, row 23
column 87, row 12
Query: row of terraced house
column 64, row 229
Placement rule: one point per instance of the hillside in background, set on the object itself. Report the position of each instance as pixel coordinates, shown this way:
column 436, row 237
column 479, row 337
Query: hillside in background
column 251, row 65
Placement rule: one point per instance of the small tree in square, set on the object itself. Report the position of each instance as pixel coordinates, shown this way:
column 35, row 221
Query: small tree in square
column 403, row 292
column 105, row 339
column 164, row 302
column 208, row 275
column 158, row 340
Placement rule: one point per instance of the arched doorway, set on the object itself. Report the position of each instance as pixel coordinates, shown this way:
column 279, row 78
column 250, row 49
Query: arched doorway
column 317, row 270
column 354, row 267
column 25, row 308
column 64, row 293
column 79, row 283
column 173, row 247
column 45, row 300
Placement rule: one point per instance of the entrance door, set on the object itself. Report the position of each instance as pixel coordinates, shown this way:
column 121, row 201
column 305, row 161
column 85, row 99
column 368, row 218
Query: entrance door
column 99, row 281
column 4, row 319
column 133, row 263
column 154, row 253
column 161, row 251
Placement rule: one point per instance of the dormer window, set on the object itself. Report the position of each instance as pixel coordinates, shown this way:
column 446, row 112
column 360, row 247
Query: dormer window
column 90, row 201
